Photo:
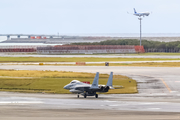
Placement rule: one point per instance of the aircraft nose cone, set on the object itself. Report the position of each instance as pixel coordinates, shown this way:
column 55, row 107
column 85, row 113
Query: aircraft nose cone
column 65, row 87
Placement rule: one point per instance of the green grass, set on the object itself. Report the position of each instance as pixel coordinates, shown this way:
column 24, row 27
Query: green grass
column 74, row 59
column 45, row 81
column 48, row 74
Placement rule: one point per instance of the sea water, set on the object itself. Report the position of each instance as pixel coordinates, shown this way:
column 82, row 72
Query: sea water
column 95, row 35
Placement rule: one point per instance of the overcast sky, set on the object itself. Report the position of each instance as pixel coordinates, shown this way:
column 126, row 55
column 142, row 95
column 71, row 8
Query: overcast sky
column 88, row 16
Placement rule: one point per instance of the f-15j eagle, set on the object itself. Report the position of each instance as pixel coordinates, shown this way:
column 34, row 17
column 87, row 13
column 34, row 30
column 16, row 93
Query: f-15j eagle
column 84, row 89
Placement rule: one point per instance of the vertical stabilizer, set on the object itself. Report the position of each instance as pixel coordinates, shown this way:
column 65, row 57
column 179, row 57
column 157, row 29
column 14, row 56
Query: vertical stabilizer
column 135, row 10
column 109, row 83
column 95, row 82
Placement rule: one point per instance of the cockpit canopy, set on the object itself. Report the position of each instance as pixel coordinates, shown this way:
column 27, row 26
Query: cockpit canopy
column 74, row 81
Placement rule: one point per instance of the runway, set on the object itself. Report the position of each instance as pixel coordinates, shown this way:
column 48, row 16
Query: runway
column 17, row 106
column 105, row 102
column 159, row 94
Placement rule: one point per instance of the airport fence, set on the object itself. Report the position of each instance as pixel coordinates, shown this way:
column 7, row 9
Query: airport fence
column 74, row 49
column 90, row 49
column 163, row 50
column 16, row 48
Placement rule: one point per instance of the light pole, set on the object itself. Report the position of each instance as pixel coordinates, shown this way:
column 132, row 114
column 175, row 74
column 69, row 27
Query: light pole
column 58, row 34
column 140, row 29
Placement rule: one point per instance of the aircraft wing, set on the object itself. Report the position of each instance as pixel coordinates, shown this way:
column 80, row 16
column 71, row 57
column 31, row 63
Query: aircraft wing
column 117, row 87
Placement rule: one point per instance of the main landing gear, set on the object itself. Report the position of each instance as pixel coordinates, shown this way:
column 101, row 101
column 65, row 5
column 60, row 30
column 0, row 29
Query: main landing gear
column 96, row 95
column 85, row 94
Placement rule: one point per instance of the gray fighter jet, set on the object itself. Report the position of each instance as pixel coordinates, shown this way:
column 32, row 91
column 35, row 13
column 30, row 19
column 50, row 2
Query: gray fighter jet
column 85, row 90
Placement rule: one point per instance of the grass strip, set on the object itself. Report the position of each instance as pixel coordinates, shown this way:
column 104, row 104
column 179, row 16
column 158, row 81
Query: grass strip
column 53, row 81
column 75, row 59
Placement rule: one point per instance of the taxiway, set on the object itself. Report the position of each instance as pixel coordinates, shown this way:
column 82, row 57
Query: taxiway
column 158, row 97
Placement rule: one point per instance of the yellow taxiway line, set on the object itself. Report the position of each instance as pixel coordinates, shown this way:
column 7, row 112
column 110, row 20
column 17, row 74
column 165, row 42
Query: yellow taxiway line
column 160, row 79
column 165, row 84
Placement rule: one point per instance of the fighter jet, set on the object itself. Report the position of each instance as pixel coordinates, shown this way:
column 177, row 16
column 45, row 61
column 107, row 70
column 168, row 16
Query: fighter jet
column 85, row 90
column 141, row 13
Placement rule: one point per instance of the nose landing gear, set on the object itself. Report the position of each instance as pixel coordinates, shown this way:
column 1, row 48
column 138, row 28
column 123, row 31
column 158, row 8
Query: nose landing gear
column 96, row 95
column 85, row 95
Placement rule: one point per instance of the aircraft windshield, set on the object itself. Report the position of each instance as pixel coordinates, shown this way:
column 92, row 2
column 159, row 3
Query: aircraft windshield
column 74, row 81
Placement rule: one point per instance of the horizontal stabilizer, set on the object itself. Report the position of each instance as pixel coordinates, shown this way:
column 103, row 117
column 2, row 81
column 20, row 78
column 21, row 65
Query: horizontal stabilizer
column 95, row 82
column 117, row 87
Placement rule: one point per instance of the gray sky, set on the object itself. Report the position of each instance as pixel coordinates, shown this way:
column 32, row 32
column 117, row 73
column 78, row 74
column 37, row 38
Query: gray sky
column 88, row 16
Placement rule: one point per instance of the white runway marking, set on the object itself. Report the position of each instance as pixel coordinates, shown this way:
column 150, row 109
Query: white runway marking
column 21, row 102
column 174, row 91
column 154, row 108
column 147, row 103
column 75, row 104
column 109, row 101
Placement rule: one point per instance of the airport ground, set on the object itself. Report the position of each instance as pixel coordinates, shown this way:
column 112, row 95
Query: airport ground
column 158, row 97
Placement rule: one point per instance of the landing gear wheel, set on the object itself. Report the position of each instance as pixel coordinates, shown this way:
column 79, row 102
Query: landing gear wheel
column 96, row 95
column 85, row 95
column 77, row 96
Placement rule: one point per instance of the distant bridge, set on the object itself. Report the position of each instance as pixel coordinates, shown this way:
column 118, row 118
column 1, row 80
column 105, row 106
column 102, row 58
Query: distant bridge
column 29, row 35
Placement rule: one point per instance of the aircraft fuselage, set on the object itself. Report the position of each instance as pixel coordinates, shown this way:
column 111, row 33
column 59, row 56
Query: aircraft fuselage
column 142, row 14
